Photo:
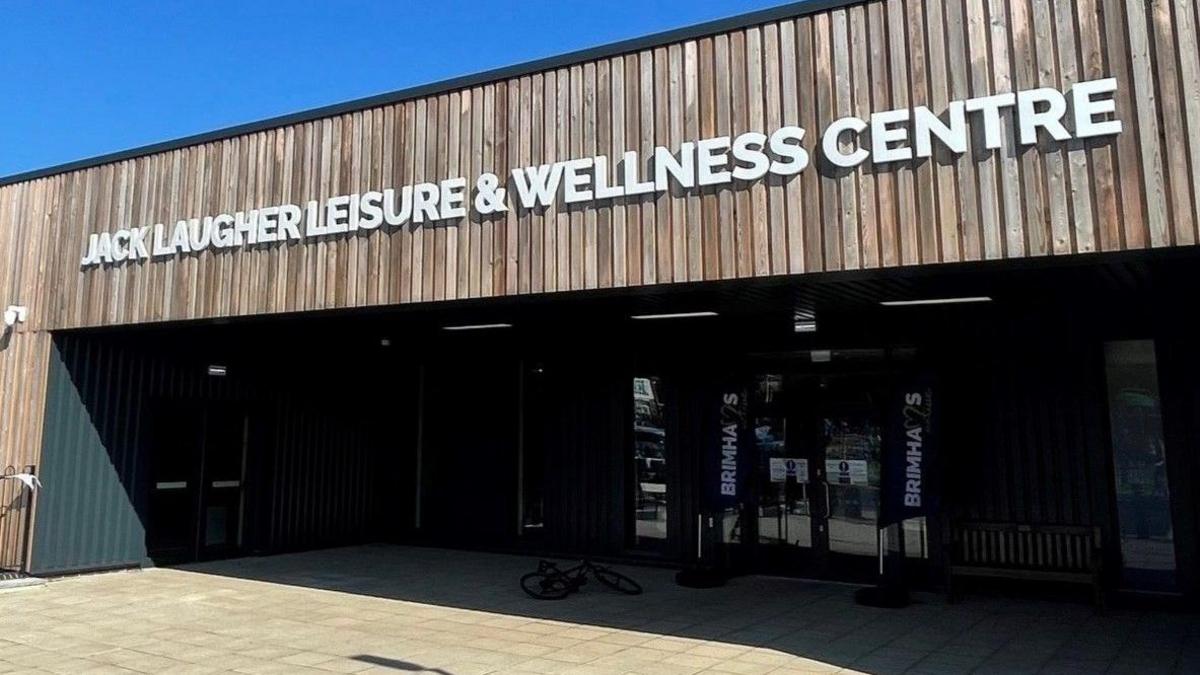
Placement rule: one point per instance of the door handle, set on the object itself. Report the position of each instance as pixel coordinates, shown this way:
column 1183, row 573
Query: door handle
column 828, row 508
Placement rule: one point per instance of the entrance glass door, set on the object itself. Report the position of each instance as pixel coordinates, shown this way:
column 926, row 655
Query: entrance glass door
column 818, row 441
column 850, row 447
column 781, row 527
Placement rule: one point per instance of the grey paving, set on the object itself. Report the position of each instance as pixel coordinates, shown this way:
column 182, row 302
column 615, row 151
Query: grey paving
column 399, row 609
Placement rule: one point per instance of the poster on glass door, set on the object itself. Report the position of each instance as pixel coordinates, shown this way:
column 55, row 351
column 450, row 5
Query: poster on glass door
column 846, row 471
column 784, row 468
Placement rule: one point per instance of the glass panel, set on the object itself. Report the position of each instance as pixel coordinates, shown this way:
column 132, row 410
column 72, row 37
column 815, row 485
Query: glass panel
column 1139, row 464
column 649, row 460
column 784, row 516
column 852, row 451
column 916, row 538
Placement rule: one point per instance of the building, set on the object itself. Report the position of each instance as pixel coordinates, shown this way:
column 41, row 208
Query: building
column 652, row 301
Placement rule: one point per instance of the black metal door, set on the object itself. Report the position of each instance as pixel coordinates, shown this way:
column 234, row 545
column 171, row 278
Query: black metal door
column 469, row 459
column 197, row 462
column 219, row 532
column 176, row 442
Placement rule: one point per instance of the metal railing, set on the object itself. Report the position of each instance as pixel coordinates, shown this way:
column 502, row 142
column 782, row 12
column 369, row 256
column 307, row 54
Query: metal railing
column 17, row 496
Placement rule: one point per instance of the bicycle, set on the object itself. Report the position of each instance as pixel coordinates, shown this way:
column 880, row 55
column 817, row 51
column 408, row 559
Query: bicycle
column 551, row 583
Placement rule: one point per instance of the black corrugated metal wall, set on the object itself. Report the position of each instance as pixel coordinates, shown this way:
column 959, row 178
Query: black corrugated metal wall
column 1026, row 422
column 313, row 475
column 586, row 469
column 1035, row 449
column 1030, row 440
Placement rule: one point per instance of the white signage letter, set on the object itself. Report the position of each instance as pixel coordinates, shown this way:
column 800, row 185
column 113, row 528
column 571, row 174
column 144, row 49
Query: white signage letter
column 1030, row 118
column 952, row 135
column 1087, row 108
column 748, row 149
column 830, row 143
column 452, row 197
column 990, row 107
column 391, row 216
column 575, row 183
column 370, row 207
column 794, row 153
column 537, row 185
column 713, row 154
column 682, row 170
column 631, row 168
column 425, row 197
column 883, row 135
column 289, row 220
column 600, row 170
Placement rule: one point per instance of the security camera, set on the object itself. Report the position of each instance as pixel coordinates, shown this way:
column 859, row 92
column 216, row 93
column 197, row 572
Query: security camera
column 14, row 315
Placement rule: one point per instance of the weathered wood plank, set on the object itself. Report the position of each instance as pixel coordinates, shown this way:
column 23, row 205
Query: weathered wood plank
column 1146, row 103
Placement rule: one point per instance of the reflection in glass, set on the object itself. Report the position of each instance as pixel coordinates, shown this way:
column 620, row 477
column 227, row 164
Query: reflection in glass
column 916, row 538
column 852, row 453
column 649, row 460
column 1139, row 464
column 784, row 516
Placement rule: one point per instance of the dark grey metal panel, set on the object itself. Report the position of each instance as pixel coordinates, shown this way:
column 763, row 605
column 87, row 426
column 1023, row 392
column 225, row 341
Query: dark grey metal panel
column 87, row 512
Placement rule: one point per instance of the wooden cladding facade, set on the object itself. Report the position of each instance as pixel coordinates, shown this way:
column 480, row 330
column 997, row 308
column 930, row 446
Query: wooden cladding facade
column 1138, row 190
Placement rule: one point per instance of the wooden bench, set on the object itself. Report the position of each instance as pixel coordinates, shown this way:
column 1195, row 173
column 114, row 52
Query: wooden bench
column 1063, row 553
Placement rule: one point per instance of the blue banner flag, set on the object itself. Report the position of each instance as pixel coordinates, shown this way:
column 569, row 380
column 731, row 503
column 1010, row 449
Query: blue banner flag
column 732, row 452
column 910, row 482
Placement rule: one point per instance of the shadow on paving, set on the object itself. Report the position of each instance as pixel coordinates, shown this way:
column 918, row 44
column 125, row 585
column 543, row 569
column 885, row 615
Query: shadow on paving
column 813, row 620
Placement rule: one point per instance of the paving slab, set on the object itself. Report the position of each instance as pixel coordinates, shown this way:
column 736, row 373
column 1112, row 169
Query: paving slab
column 423, row 610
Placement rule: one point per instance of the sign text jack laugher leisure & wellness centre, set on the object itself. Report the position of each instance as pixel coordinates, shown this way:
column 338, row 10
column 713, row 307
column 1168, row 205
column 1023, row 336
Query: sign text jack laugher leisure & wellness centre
column 1086, row 110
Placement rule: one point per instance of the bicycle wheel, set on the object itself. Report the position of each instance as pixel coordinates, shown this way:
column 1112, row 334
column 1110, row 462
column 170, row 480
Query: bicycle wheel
column 617, row 581
column 545, row 586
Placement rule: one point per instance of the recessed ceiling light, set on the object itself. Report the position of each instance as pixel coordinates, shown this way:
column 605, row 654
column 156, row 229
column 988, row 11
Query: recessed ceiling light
column 936, row 301
column 675, row 315
column 217, row 371
column 478, row 326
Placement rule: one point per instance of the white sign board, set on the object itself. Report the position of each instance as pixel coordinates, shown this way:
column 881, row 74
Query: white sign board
column 846, row 471
column 783, row 468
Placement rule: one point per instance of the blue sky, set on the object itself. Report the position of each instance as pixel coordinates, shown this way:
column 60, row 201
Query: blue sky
column 85, row 78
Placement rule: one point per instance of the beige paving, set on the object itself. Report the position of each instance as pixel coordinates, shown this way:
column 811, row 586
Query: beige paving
column 398, row 609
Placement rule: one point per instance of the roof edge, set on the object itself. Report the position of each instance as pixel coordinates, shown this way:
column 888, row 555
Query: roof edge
column 792, row 9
